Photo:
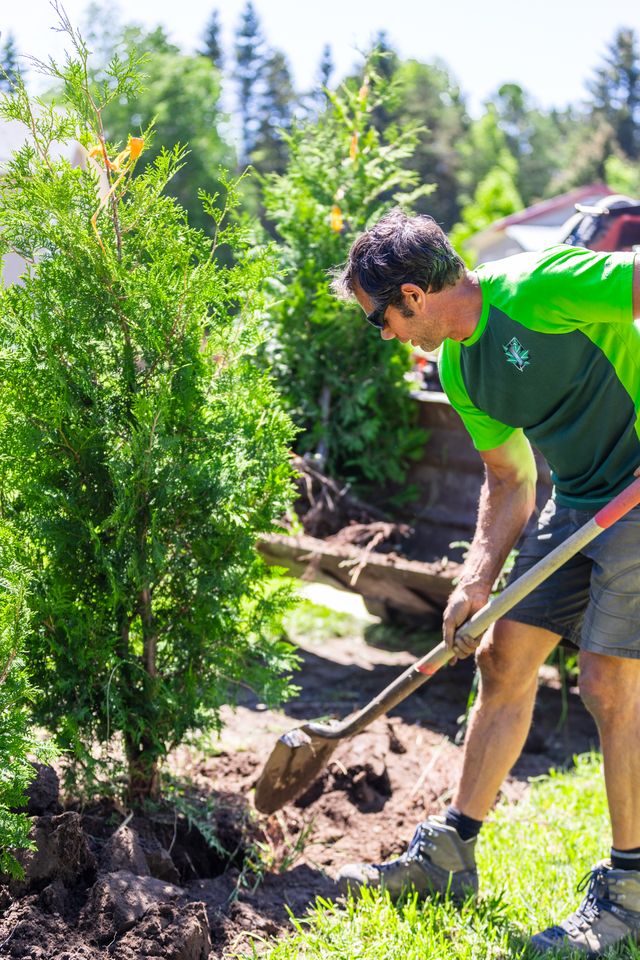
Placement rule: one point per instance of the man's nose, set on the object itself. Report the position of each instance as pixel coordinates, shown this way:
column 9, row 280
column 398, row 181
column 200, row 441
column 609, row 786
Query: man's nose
column 387, row 333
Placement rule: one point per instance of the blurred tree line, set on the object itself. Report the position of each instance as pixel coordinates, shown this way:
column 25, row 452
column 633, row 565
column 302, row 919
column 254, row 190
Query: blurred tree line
column 234, row 104
column 234, row 107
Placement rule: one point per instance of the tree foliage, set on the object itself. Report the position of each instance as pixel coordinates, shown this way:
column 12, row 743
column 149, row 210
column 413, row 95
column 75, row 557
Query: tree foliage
column 275, row 112
column 623, row 176
column 179, row 94
column 605, row 129
column 490, row 173
column 534, row 139
column 266, row 96
column 615, row 92
column 142, row 451
column 212, row 43
column 9, row 67
column 18, row 743
column 250, row 58
column 344, row 388
column 326, row 68
column 427, row 94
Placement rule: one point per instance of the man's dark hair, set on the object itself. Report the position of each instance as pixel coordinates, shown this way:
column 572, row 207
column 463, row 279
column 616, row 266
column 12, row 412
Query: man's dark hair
column 398, row 249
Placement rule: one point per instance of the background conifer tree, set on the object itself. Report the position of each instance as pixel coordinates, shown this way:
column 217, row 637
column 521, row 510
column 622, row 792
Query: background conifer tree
column 615, row 92
column 325, row 72
column 250, row 58
column 212, row 44
column 276, row 104
column 10, row 69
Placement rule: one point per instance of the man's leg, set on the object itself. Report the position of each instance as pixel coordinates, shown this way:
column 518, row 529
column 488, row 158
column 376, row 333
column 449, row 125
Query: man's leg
column 610, row 689
column 441, row 859
column 610, row 912
column 509, row 658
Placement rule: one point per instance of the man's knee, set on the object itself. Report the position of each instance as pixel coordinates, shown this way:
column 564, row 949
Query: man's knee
column 506, row 669
column 609, row 686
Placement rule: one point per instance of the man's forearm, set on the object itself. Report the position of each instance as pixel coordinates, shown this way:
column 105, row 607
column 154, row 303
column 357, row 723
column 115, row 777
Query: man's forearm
column 507, row 499
column 503, row 512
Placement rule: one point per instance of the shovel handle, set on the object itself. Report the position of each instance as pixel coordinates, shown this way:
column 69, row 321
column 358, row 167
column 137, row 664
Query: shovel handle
column 424, row 668
column 616, row 508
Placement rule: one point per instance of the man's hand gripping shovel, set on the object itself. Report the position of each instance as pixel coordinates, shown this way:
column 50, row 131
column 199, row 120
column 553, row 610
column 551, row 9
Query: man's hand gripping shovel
column 300, row 755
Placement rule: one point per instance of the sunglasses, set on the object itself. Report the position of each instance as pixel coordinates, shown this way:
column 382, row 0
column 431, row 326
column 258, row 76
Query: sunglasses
column 376, row 317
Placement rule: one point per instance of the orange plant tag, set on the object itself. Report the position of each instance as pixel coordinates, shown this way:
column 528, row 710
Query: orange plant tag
column 337, row 219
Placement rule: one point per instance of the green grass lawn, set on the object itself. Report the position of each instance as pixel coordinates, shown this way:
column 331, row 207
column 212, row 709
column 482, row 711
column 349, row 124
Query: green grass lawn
column 531, row 857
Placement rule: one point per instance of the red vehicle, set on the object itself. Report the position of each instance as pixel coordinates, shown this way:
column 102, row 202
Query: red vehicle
column 612, row 224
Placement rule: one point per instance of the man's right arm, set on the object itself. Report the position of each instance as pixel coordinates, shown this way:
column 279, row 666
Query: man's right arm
column 506, row 502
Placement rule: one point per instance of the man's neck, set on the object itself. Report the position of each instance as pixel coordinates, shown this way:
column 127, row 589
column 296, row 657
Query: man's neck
column 466, row 306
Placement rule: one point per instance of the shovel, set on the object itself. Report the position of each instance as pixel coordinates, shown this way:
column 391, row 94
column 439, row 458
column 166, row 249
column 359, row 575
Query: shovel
column 300, row 755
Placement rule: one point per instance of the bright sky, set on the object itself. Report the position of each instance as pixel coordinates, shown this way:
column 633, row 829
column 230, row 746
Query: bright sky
column 549, row 46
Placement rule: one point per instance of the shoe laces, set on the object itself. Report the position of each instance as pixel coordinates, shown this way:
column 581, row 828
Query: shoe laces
column 589, row 910
column 419, row 842
column 417, row 849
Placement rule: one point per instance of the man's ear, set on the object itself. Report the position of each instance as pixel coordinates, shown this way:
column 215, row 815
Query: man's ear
column 412, row 291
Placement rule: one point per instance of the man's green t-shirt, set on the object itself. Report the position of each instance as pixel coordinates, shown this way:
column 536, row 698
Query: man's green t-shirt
column 556, row 353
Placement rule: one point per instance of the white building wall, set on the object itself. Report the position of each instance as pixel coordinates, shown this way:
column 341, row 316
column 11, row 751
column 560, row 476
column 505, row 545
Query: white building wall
column 12, row 136
column 12, row 268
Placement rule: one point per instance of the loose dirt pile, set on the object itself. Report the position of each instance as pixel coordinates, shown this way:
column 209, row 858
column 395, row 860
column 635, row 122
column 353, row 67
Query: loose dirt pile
column 103, row 884
column 329, row 511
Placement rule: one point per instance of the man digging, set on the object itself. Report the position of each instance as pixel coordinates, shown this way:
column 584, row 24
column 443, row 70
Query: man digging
column 542, row 348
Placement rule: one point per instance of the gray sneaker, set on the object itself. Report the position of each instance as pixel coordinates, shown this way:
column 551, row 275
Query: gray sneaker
column 609, row 914
column 437, row 861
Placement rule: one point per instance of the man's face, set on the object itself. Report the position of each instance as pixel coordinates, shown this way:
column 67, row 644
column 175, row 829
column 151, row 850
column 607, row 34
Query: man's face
column 413, row 321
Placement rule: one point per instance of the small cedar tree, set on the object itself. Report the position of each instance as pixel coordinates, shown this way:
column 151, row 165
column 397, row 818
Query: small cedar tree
column 142, row 449
column 19, row 744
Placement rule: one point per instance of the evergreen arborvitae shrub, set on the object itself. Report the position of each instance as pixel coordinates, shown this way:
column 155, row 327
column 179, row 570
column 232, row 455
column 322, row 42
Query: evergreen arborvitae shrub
column 142, row 450
column 345, row 389
column 18, row 742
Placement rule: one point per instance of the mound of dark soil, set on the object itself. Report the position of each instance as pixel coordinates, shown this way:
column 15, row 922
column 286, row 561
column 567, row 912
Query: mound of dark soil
column 102, row 885
column 328, row 509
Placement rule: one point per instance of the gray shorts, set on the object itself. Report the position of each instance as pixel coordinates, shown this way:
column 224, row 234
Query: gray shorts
column 593, row 601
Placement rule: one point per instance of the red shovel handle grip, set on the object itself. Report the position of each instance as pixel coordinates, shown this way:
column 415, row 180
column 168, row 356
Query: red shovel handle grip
column 620, row 505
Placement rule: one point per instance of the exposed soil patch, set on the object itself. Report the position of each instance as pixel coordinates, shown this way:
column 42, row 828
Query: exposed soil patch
column 105, row 885
column 325, row 507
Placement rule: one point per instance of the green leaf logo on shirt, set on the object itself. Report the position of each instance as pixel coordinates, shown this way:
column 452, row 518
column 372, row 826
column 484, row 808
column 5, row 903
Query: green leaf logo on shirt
column 516, row 354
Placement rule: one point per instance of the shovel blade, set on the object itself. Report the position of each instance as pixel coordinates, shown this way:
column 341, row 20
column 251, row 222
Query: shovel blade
column 297, row 759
